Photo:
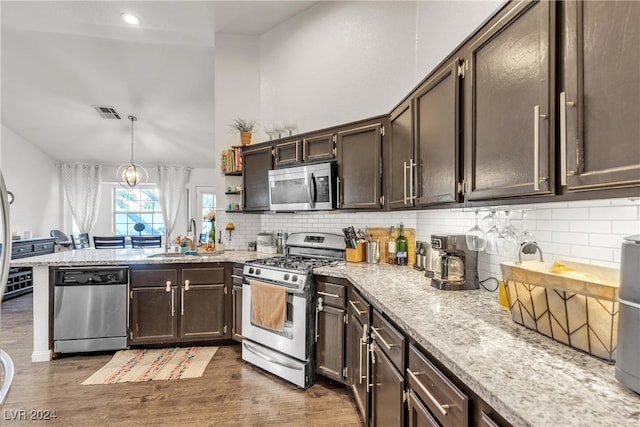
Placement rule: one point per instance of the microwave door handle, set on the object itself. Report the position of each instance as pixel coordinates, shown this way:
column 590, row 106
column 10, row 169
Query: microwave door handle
column 310, row 189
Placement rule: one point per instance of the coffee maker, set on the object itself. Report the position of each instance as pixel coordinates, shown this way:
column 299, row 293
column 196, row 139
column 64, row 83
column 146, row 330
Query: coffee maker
column 455, row 267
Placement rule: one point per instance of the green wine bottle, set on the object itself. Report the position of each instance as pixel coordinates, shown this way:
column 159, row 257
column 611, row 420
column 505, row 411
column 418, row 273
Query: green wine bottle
column 402, row 247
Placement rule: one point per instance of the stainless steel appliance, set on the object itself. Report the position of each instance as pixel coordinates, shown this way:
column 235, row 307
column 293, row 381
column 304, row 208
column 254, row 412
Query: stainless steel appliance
column 303, row 188
column 456, row 267
column 421, row 256
column 5, row 259
column 90, row 309
column 289, row 353
column 628, row 352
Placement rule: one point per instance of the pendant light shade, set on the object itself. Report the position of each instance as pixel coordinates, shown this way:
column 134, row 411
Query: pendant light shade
column 131, row 174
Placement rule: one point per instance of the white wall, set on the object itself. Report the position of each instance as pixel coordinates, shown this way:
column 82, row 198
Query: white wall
column 338, row 62
column 33, row 178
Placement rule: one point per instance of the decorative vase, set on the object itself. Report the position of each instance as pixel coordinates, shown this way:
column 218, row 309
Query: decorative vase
column 245, row 138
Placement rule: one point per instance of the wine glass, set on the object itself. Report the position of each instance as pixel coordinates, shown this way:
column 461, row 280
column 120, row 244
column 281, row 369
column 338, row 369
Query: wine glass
column 508, row 239
column 278, row 126
column 269, row 130
column 526, row 236
column 290, row 125
column 492, row 234
column 475, row 237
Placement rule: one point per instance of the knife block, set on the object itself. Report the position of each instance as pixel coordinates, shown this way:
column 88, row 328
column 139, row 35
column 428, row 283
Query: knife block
column 356, row 254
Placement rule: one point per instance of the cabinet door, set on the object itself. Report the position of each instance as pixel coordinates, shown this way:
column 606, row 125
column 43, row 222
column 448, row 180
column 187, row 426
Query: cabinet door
column 288, row 153
column 401, row 158
column 357, row 364
column 360, row 167
column 330, row 341
column 419, row 416
column 437, row 137
column 387, row 405
column 256, row 166
column 236, row 329
column 153, row 315
column 318, row 147
column 600, row 105
column 508, row 85
column 202, row 303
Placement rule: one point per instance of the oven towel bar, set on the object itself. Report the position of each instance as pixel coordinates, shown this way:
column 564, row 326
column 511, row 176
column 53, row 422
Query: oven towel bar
column 268, row 305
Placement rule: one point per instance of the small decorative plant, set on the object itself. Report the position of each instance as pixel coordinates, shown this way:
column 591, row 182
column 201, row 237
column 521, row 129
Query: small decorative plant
column 242, row 125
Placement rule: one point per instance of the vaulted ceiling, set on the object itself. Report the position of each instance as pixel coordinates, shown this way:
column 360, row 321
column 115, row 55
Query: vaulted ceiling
column 59, row 58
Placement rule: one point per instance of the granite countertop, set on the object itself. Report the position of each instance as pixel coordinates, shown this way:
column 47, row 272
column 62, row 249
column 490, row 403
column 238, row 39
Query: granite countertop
column 528, row 378
column 92, row 256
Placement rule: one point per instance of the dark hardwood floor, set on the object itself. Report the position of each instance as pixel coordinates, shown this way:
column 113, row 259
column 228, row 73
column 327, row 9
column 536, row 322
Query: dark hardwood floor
column 230, row 393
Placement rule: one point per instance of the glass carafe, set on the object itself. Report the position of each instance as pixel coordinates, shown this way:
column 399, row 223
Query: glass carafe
column 455, row 269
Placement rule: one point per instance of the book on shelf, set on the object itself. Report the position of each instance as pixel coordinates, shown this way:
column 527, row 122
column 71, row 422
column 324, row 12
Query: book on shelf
column 231, row 160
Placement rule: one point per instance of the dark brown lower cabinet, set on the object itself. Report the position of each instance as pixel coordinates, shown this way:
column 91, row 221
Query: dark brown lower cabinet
column 165, row 309
column 331, row 317
column 357, row 363
column 387, row 406
column 419, row 415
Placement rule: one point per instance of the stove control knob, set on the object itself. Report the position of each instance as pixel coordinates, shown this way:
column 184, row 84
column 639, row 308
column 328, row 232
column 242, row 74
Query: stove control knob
column 257, row 271
column 286, row 276
column 250, row 270
column 294, row 278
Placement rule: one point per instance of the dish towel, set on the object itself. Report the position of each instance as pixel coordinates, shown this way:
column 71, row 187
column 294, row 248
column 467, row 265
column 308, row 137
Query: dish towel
column 268, row 305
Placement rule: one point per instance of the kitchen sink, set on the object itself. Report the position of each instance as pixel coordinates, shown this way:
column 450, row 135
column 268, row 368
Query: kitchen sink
column 181, row 255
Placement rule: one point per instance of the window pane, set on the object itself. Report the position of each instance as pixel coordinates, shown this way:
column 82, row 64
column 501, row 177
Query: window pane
column 137, row 206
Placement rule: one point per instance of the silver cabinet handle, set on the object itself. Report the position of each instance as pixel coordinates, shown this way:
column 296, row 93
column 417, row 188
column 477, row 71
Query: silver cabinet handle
column 186, row 285
column 536, row 146
column 563, row 136
column 173, row 302
column 182, row 302
column 404, row 172
column 235, row 276
column 8, row 368
column 312, row 201
column 411, row 166
column 363, row 343
column 338, row 197
column 439, row 406
column 325, row 294
column 318, row 310
column 360, row 313
column 168, row 288
column 382, row 340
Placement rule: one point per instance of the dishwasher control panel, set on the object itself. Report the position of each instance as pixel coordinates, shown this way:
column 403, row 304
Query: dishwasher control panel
column 91, row 275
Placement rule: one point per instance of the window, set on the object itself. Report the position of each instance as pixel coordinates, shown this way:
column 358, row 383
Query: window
column 137, row 206
column 206, row 203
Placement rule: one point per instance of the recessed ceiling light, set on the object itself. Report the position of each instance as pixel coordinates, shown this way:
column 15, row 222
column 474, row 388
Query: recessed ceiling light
column 130, row 19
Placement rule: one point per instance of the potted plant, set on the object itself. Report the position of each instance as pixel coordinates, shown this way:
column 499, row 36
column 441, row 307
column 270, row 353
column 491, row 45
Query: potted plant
column 245, row 127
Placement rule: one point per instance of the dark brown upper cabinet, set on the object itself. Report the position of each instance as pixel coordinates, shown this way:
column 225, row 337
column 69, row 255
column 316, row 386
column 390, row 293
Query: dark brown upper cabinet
column 319, row 147
column 437, row 124
column 288, row 153
column 359, row 152
column 509, row 113
column 599, row 101
column 257, row 162
column 400, row 159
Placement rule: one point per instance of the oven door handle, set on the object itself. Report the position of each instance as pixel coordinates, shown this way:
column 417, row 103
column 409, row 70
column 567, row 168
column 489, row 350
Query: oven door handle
column 311, row 189
column 269, row 358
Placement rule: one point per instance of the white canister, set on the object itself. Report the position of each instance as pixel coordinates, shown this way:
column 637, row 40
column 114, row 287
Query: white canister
column 264, row 239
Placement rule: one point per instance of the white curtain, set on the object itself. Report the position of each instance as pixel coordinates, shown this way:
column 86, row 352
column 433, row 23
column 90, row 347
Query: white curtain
column 81, row 183
column 172, row 183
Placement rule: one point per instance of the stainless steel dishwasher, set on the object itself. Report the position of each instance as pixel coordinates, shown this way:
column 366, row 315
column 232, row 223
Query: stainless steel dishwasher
column 90, row 309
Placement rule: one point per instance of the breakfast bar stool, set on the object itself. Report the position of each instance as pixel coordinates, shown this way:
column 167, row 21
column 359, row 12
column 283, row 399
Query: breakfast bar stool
column 146, row 241
column 108, row 242
column 80, row 241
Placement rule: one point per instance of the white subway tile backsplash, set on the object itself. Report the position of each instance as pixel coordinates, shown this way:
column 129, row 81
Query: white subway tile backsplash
column 570, row 213
column 619, row 213
column 606, row 240
column 592, row 252
column 555, row 248
column 625, row 202
column 570, row 238
column 626, row 227
column 552, row 225
column 590, row 226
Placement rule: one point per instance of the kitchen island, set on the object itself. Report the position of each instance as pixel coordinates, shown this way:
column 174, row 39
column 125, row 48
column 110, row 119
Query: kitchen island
column 98, row 257
column 529, row 379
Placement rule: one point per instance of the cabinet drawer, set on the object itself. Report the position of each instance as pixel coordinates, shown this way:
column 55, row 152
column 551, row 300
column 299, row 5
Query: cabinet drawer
column 445, row 401
column 46, row 247
column 359, row 307
column 332, row 293
column 153, row 278
column 236, row 276
column 203, row 276
column 20, row 250
column 389, row 339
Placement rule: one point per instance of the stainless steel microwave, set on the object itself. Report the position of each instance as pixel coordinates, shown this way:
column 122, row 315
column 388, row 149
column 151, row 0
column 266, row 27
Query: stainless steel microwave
column 303, row 188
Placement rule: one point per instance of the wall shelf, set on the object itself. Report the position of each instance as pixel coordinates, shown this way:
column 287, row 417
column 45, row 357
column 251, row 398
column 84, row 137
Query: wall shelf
column 235, row 173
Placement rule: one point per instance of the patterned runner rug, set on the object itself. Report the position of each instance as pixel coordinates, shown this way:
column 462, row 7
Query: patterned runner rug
column 148, row 365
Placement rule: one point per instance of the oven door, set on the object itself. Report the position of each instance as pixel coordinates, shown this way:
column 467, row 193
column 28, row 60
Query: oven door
column 292, row 341
column 302, row 188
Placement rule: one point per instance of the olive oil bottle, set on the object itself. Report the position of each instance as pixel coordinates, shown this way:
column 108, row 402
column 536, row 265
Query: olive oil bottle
column 391, row 248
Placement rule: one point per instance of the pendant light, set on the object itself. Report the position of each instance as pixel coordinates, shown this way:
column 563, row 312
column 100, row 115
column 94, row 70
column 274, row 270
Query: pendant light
column 131, row 174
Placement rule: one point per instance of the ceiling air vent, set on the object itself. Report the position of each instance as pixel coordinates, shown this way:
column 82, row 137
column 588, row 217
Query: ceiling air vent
column 107, row 112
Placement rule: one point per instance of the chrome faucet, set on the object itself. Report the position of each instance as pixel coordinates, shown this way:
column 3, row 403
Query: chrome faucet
column 529, row 248
column 192, row 229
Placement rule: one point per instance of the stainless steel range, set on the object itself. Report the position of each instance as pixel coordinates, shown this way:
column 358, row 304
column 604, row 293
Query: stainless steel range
column 278, row 306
